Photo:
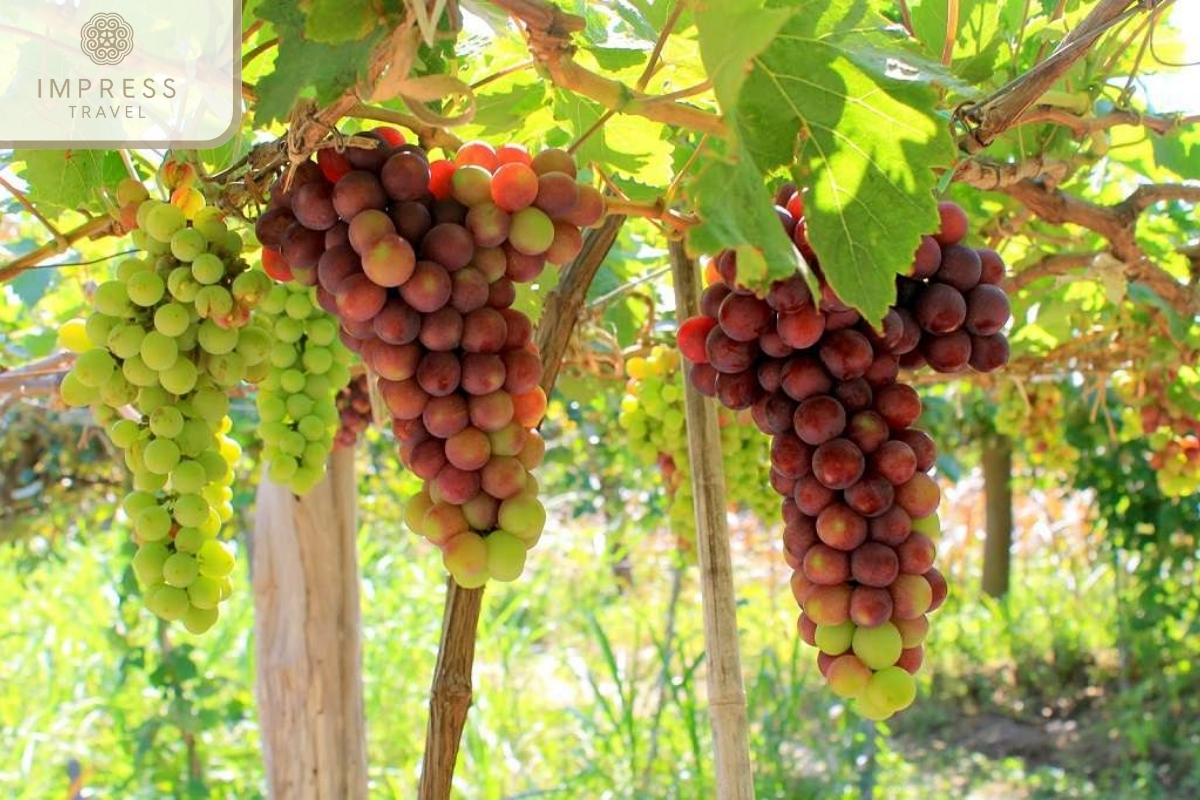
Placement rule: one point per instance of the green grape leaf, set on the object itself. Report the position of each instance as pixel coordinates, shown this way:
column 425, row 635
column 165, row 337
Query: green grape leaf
column 338, row 21
column 734, row 212
column 727, row 58
column 31, row 285
column 626, row 143
column 503, row 111
column 868, row 140
column 304, row 68
column 613, row 59
column 70, row 179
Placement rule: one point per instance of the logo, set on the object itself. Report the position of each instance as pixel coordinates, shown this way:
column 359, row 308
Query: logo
column 106, row 39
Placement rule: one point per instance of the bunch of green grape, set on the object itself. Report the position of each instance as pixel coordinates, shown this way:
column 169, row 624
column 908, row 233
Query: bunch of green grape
column 165, row 342
column 297, row 396
column 1035, row 413
column 652, row 415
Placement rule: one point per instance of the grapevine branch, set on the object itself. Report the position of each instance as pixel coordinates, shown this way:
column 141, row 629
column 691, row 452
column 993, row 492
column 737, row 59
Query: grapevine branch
column 93, row 228
column 548, row 32
column 1082, row 126
column 1002, row 110
column 984, row 173
column 1052, row 266
column 1117, row 224
column 450, row 695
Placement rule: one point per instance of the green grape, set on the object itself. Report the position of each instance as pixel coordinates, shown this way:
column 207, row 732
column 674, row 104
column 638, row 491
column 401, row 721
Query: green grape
column 124, row 432
column 211, row 404
column 298, row 306
column 194, row 438
column 292, row 443
column 152, row 524
column 137, row 501
column 215, row 340
column 146, row 481
column 145, row 288
column 230, row 243
column 289, row 330
column 172, row 319
column 299, row 405
column 199, row 620
column 272, row 432
column 312, row 429
column 125, row 341
column 292, row 381
column 216, row 466
column 188, row 477
column 180, row 570
column 118, row 392
column 98, row 327
column 187, row 244
column 161, row 456
column 190, row 510
column 321, row 331
column 282, row 469
column 273, row 304
column 227, row 370
column 162, row 221
column 213, row 302
column 138, row 373
column 251, row 286
column 168, row 602
column 208, row 221
column 166, row 422
column 112, row 299
column 182, row 286
column 180, row 377
column 73, row 336
column 159, row 352
column 148, row 562
column 214, row 559
column 190, row 540
column 94, row 367
column 207, row 268
column 283, row 355
column 130, row 267
column 205, row 592
column 254, row 344
column 152, row 398
column 318, row 386
column 75, row 393
column 317, row 360
column 271, row 407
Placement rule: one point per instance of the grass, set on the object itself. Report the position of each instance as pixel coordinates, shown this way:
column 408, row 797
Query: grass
column 588, row 688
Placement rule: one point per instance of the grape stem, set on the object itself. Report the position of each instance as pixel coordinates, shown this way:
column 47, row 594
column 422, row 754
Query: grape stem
column 548, row 31
column 655, row 211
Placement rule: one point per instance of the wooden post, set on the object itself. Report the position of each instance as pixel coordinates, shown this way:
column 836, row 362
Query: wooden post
column 450, row 696
column 997, row 484
column 307, row 638
column 726, row 695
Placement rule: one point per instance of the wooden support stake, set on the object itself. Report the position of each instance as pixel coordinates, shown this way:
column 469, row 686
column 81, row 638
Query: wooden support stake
column 450, row 696
column 307, row 638
column 726, row 695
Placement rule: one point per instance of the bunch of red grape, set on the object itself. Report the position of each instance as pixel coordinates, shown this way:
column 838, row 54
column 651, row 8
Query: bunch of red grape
column 860, row 507
column 354, row 409
column 419, row 260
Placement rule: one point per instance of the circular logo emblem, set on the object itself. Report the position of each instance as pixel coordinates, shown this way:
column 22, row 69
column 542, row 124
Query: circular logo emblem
column 106, row 38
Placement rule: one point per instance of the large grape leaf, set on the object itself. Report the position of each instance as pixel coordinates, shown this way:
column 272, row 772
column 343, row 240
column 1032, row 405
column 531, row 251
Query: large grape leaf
column 865, row 137
column 304, row 68
column 728, row 192
column 337, row 21
column 70, row 179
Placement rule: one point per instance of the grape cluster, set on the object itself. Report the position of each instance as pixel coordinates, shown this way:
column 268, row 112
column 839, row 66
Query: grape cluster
column 419, row 260
column 652, row 416
column 306, row 368
column 166, row 341
column 1162, row 407
column 860, row 508
column 354, row 411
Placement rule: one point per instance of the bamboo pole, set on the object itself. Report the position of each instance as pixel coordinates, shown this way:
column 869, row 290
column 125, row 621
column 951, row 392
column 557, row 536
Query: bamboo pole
column 307, row 638
column 450, row 695
column 726, row 695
